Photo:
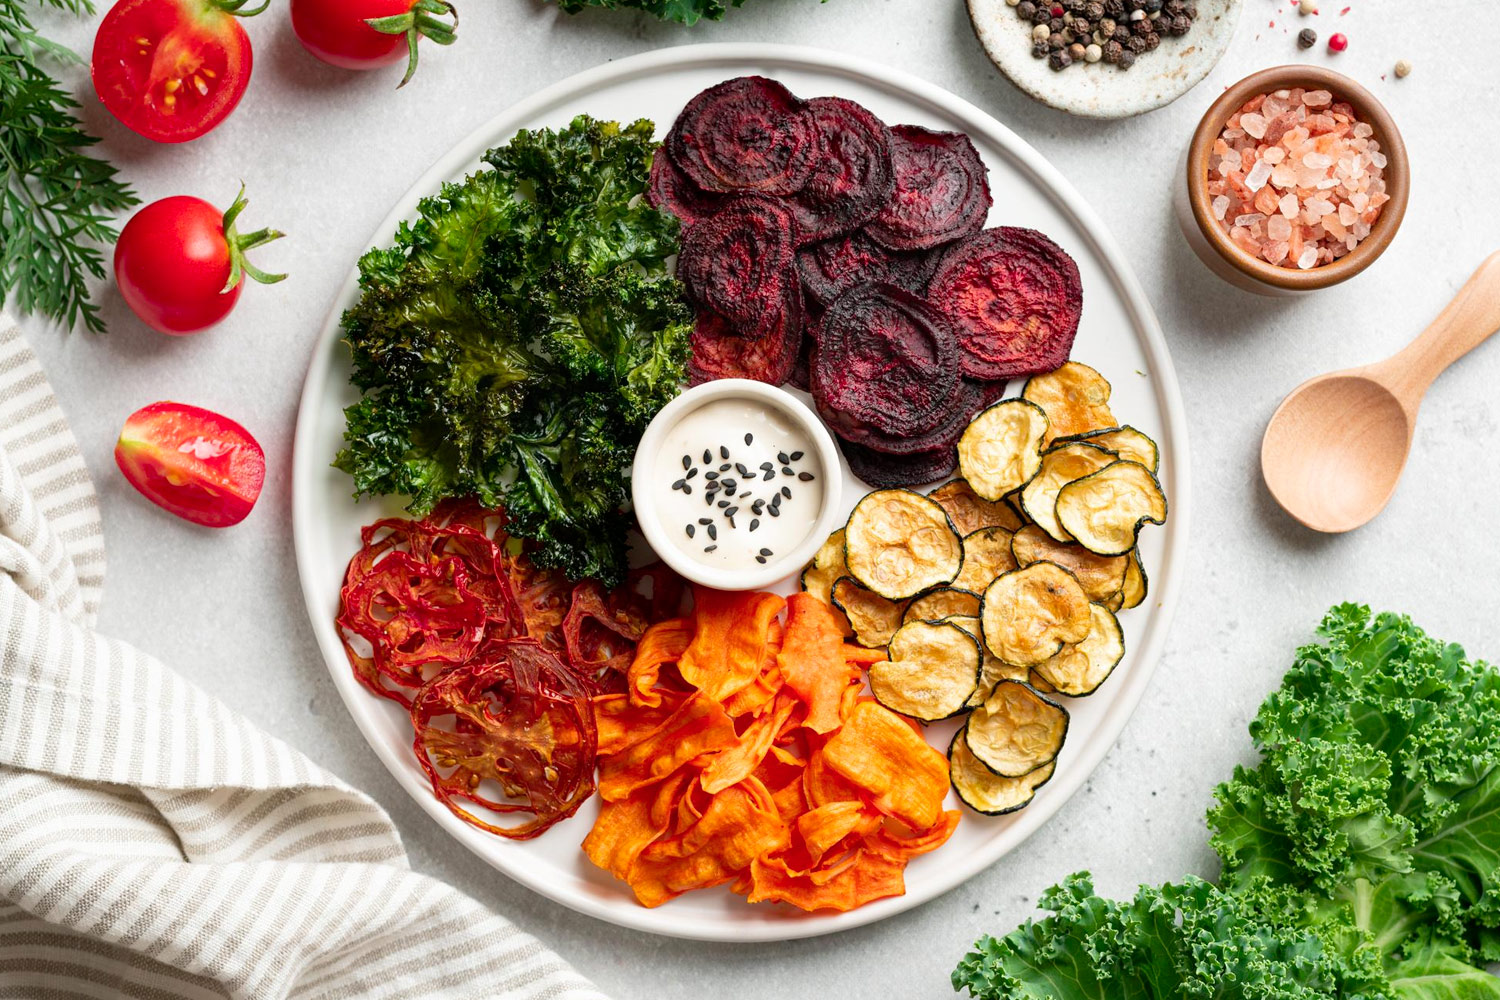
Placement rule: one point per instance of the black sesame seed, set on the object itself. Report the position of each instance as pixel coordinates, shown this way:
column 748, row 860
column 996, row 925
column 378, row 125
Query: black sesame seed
column 691, row 474
column 770, row 475
column 723, row 451
column 731, row 511
column 729, row 491
column 710, row 475
column 786, row 491
column 774, row 512
column 758, row 506
column 687, row 488
column 749, row 438
column 691, row 530
column 713, row 532
column 754, row 523
column 765, row 552
column 731, row 522
column 730, row 484
column 786, row 470
column 708, row 456
column 725, row 467
column 760, row 559
column 781, row 457
column 740, row 468
column 705, row 520
column 796, row 455
column 709, row 548
column 679, row 484
column 722, row 504
column 687, row 461
column 805, row 477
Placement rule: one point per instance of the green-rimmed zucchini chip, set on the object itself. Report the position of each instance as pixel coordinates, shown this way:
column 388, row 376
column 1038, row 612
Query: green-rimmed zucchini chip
column 1001, row 449
column 1075, row 398
column 969, row 511
column 826, row 567
column 1127, row 442
column 1104, row 511
column 1016, row 730
column 1102, row 577
column 873, row 619
column 898, row 543
column 993, row 670
column 1061, row 465
column 1035, row 680
column 1028, row 614
column 930, row 671
column 1134, row 590
column 984, row 791
column 940, row 603
column 986, row 555
column 1080, row 669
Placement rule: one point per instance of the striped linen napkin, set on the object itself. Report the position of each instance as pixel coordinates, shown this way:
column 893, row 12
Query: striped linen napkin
column 153, row 843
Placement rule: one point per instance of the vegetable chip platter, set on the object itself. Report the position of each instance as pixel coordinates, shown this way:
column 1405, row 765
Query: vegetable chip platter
column 939, row 843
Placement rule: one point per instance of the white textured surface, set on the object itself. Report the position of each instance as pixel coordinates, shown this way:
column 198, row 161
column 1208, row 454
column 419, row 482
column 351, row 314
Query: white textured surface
column 326, row 153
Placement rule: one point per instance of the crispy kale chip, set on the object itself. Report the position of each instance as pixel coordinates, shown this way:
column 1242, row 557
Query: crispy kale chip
column 516, row 339
column 681, row 11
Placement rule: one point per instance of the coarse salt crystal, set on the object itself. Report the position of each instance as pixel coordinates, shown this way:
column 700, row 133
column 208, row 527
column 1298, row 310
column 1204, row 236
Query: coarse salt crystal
column 1290, row 206
column 1360, row 201
column 1276, row 251
column 1309, row 257
column 1249, row 219
column 1317, row 98
column 1274, row 155
column 1362, row 130
column 1220, row 206
column 1378, row 159
column 1317, row 161
column 1347, row 214
column 1258, row 175
column 1254, row 125
column 1279, row 228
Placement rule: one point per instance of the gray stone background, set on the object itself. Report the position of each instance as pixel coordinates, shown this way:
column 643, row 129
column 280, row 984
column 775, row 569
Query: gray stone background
column 325, row 153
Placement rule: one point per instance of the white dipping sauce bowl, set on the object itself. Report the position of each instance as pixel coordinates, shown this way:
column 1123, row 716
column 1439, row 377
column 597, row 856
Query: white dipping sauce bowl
column 644, row 483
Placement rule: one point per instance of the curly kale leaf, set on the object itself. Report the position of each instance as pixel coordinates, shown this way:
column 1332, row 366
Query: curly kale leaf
column 516, row 339
column 681, row 11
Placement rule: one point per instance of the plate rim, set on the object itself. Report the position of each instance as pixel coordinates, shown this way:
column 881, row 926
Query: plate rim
column 1050, row 182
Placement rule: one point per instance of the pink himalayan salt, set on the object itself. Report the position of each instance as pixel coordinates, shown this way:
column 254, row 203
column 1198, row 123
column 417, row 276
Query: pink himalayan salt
column 1305, row 190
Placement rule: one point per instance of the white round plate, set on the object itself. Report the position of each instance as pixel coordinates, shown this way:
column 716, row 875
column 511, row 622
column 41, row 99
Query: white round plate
column 1119, row 336
column 1099, row 90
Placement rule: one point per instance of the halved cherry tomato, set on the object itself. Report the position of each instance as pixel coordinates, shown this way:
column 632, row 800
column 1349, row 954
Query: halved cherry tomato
column 192, row 462
column 180, row 264
column 367, row 34
column 171, row 70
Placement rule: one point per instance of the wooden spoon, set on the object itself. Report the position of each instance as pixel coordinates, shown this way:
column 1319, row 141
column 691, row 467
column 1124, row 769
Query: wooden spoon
column 1335, row 448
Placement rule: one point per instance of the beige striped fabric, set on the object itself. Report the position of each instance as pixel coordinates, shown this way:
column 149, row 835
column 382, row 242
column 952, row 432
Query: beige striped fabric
column 154, row 844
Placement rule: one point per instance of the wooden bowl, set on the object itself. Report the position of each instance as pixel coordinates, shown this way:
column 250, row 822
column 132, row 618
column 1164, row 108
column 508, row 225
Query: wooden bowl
column 1212, row 243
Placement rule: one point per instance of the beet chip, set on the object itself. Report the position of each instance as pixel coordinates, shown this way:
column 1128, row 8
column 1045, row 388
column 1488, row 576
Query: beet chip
column 672, row 191
column 832, row 267
column 1015, row 298
column 881, row 470
column 854, row 173
column 886, row 365
column 740, row 263
column 748, row 134
column 719, row 352
column 942, row 190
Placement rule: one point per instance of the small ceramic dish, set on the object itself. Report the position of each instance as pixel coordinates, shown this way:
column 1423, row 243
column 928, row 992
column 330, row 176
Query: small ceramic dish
column 726, row 432
column 1099, row 90
column 1194, row 208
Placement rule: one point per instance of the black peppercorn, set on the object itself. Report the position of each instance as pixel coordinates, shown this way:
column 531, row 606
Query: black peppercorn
column 1026, row 9
column 1145, row 26
column 1172, row 8
column 1152, row 6
column 1056, row 42
column 1042, row 15
column 1180, row 25
column 1307, row 38
column 1060, row 60
column 1114, row 8
column 1190, row 9
column 1056, row 24
column 1093, row 10
column 1122, row 33
column 1152, row 41
column 1112, row 50
column 1039, row 49
column 1137, row 45
column 1082, row 29
column 1127, row 59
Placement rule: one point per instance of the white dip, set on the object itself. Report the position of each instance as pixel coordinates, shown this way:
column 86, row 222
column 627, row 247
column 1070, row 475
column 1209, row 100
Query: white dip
column 738, row 483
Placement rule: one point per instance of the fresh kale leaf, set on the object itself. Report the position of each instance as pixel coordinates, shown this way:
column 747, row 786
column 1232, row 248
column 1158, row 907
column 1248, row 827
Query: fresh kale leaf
column 517, row 338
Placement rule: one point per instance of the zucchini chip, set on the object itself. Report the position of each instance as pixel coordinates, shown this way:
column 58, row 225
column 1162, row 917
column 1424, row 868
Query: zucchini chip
column 1133, row 592
column 1127, row 442
column 940, row 603
column 1080, row 669
column 984, row 791
column 969, row 512
column 1105, row 511
column 931, row 670
column 1116, row 601
column 1035, row 680
column 899, row 543
column 987, row 554
column 993, row 670
column 1029, row 614
column 1101, row 577
column 1075, row 398
column 872, row 618
column 1001, row 449
column 827, row 566
column 1060, row 465
column 1016, row 730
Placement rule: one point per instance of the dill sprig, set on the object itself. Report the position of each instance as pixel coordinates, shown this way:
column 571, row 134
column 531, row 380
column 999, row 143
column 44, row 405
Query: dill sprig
column 56, row 201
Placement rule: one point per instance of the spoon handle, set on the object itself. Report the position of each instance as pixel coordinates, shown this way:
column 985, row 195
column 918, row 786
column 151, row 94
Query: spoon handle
column 1465, row 323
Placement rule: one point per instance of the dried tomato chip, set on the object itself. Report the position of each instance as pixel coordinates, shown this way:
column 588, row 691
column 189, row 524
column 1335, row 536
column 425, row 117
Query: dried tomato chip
column 520, row 720
column 599, row 639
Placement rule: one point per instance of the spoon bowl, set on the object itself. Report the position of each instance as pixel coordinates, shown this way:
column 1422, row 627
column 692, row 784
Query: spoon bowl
column 1334, row 449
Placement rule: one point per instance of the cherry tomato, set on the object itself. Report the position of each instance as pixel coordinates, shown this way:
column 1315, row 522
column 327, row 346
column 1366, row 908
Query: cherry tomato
column 192, row 462
column 367, row 34
column 171, row 70
column 179, row 263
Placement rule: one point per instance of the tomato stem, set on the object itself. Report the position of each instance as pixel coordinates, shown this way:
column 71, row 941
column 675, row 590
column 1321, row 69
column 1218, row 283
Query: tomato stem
column 239, row 243
column 237, row 7
column 420, row 21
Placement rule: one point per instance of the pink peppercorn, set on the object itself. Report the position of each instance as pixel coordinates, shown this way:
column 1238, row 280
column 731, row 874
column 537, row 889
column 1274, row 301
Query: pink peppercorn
column 1338, row 42
column 1057, row 10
